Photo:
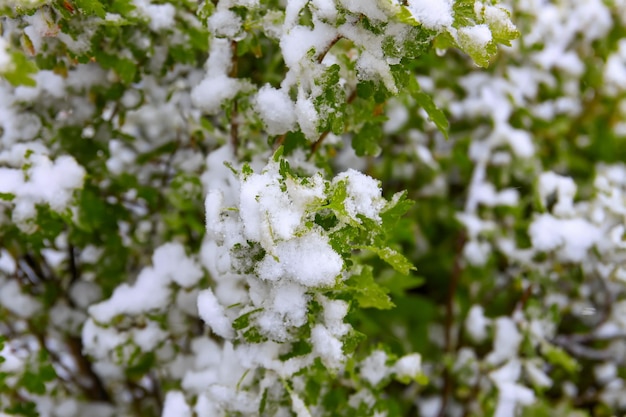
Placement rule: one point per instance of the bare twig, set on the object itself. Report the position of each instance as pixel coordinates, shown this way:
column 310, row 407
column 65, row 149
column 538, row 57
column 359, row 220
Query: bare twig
column 332, row 43
column 581, row 351
column 449, row 321
column 96, row 390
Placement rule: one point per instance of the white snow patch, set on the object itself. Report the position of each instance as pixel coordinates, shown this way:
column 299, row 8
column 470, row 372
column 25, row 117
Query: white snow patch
column 433, row 14
column 276, row 110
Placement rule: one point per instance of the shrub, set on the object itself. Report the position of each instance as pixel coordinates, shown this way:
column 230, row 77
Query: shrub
column 312, row 208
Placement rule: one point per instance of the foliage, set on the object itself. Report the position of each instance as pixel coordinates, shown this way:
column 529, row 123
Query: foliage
column 312, row 208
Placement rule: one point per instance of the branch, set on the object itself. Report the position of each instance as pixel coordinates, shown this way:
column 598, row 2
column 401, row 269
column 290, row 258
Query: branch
column 582, row 351
column 96, row 390
column 454, row 282
column 332, row 43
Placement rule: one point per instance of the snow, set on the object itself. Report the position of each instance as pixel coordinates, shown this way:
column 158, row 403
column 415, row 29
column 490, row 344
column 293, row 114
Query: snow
column 213, row 314
column 325, row 9
column 308, row 260
column 537, row 376
column 276, row 110
column 149, row 337
column 298, row 406
column 510, row 393
column 615, row 70
column 397, row 117
column 7, row 263
column 42, row 182
column 408, row 366
column 564, row 188
column 432, row 14
column 298, row 41
column 327, row 346
column 374, row 368
column 216, row 87
column 161, row 16
column 477, row 253
column 6, row 62
column 370, row 9
column 476, row 323
column 371, row 67
column 571, row 238
column 291, row 302
column 47, row 82
column 307, row 116
column 498, row 18
column 364, row 196
column 17, row 302
column 334, row 313
column 506, row 342
column 605, row 372
column 212, row 92
column 269, row 213
column 477, row 36
column 224, row 23
column 175, row 405
column 151, row 290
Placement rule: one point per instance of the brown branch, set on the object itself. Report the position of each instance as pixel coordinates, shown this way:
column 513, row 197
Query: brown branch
column 96, row 390
column 316, row 145
column 279, row 141
column 449, row 321
column 524, row 299
column 332, row 43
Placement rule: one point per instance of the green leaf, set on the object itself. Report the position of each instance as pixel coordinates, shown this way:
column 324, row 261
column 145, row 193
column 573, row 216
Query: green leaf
column 337, row 199
column 33, row 383
column 243, row 321
column 7, row 196
column 366, row 292
column 351, row 341
column 393, row 258
column 252, row 335
column 365, row 142
column 397, row 207
column 91, row 7
column 434, row 113
column 23, row 408
column 398, row 284
column 557, row 356
column 464, row 13
column 21, row 71
column 140, row 365
column 205, row 10
column 404, row 15
column 126, row 69
column 278, row 153
column 502, row 29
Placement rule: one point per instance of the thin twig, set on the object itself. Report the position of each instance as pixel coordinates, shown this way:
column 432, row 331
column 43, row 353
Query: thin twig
column 454, row 281
column 582, row 351
column 279, row 141
column 525, row 297
column 96, row 391
column 332, row 43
